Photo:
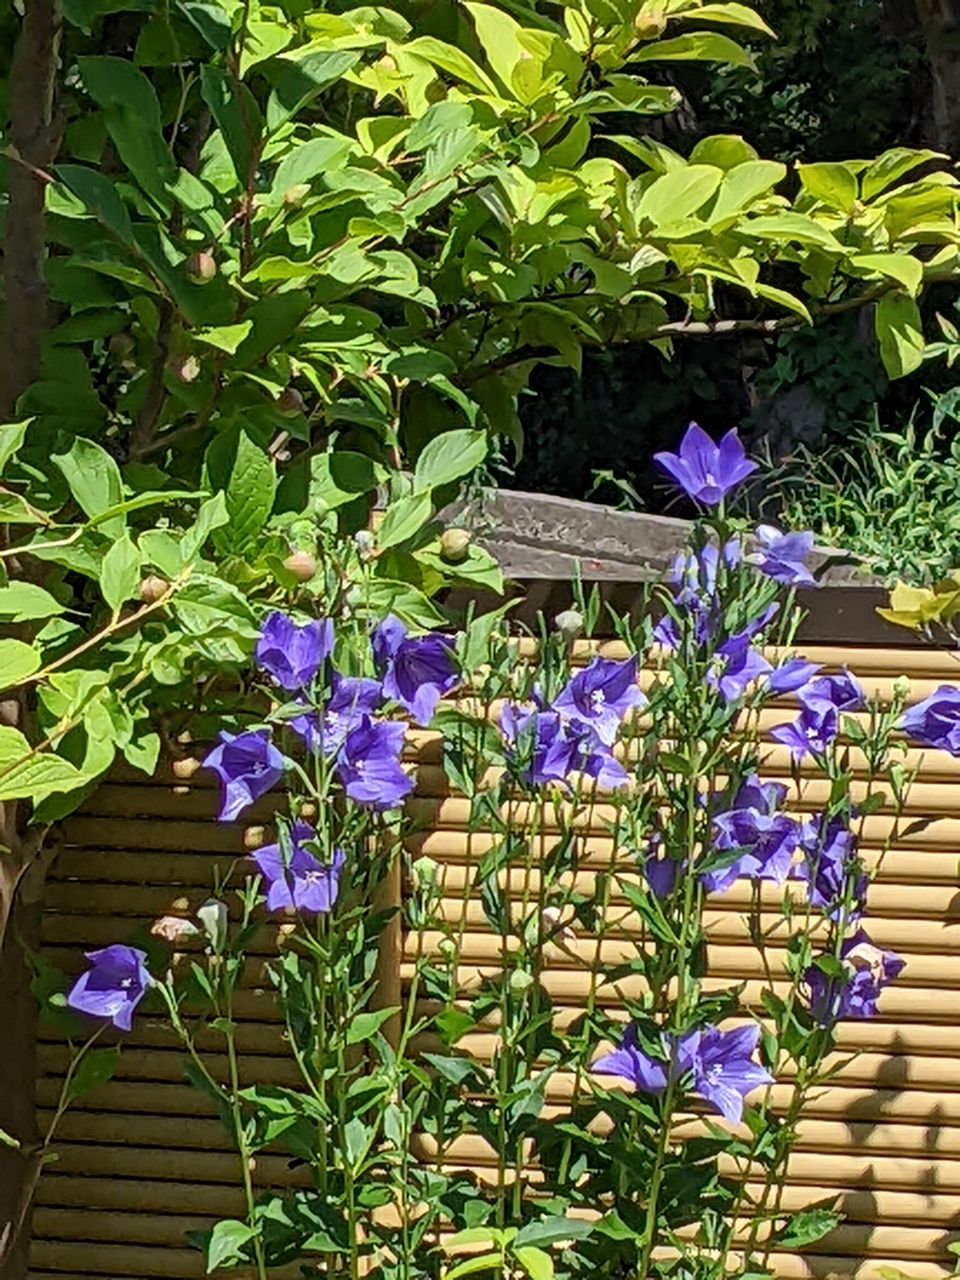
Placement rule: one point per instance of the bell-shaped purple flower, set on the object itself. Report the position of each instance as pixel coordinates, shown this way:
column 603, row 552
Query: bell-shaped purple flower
column 783, row 556
column 724, row 1072
column 598, row 698
column 351, row 698
column 792, row 675
column 831, row 867
column 416, row 670
column 299, row 882
column 832, row 693
column 248, row 766
column 368, row 764
column 707, row 472
column 854, row 993
column 113, row 986
column 290, row 654
column 735, row 667
column 597, row 761
column 539, row 744
column 648, row 1074
column 935, row 722
column 810, row 734
column 755, row 825
column 660, row 871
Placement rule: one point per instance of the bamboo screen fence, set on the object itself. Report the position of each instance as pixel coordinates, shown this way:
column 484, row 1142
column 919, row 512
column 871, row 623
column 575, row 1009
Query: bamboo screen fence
column 143, row 1160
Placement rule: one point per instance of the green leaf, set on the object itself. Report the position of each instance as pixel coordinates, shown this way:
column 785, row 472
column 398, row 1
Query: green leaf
column 133, row 120
column 499, row 35
column 227, row 337
column 24, row 775
column 806, row 1227
column 791, row 227
column 265, row 37
column 365, row 1025
column 447, row 457
column 17, row 661
column 226, row 1243
column 300, row 77
column 890, row 166
column 94, row 480
column 899, row 332
column 743, row 184
column 903, row 269
column 212, row 515
column 143, row 753
column 537, row 1263
column 403, row 519
column 100, row 197
column 452, row 60
column 11, row 439
column 25, row 601
column 249, row 490
column 8, row 1140
column 678, row 194
column 833, row 184
column 737, row 15
column 697, row 46
column 470, row 1266
column 95, row 1068
column 120, row 573
column 236, row 112
column 552, row 1231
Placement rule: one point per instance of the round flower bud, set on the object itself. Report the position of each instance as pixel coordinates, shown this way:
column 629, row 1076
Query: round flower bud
column 301, row 564
column 254, row 837
column 447, row 948
column 295, row 195
column 901, row 686
column 569, row 624
column 213, row 917
column 650, row 24
column 185, row 368
column 307, row 810
column 201, row 267
column 365, row 542
column 454, row 545
column 424, row 872
column 153, row 588
column 186, row 767
column 289, row 404
column 520, row 981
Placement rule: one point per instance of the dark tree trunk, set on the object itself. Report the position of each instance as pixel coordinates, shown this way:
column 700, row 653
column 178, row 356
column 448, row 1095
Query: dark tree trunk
column 940, row 24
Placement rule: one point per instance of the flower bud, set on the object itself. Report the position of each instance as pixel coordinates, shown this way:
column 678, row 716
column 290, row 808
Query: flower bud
column 186, row 767
column 295, row 195
column 301, row 564
column 424, row 872
column 174, row 929
column 365, row 543
column 254, row 837
column 556, row 925
column 520, row 981
column 213, row 917
column 185, row 369
column 307, row 810
column 447, row 948
column 454, row 545
column 901, row 687
column 201, row 267
column 289, row 404
column 569, row 624
column 153, row 588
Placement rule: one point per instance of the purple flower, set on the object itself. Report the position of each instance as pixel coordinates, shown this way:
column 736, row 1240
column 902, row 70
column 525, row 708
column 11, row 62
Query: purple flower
column 705, row 471
column 660, row 871
column 291, row 655
column 755, row 825
column 351, row 698
column 369, row 764
column 792, row 675
column 417, row 670
column 539, row 744
column 782, row 556
column 724, row 1071
column 832, row 693
column 299, row 881
column 935, row 722
column 866, row 971
column 736, row 666
column 248, row 766
column 832, row 869
column 811, row 732
column 113, row 986
column 599, row 697
column 694, row 574
column 596, row 759
column 646, row 1073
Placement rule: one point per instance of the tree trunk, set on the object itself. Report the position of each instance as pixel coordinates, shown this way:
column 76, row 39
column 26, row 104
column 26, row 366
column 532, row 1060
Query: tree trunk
column 940, row 24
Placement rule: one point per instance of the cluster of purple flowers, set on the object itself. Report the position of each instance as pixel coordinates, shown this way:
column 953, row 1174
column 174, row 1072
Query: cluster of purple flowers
column 822, row 701
column 853, row 992
column 576, row 733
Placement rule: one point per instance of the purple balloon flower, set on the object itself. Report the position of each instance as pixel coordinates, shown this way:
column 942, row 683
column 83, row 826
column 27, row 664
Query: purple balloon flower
column 248, row 766
column 299, row 881
column 369, row 764
column 644, row 1072
column 660, row 871
column 705, row 471
column 599, row 697
column 783, row 556
column 113, row 986
column 737, row 664
column 935, row 722
column 833, row 870
column 724, row 1072
column 539, row 744
column 768, row 838
column 417, row 670
column 832, row 693
column 290, row 654
column 811, row 733
column 597, row 760
column 866, row 971
column 351, row 698
column 792, row 675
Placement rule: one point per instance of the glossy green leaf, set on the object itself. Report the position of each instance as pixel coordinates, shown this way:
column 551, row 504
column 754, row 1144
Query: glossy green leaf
column 95, row 1068
column 26, row 602
column 899, row 330
column 17, row 661
column 404, row 517
column 833, row 184
column 94, row 480
column 12, row 436
column 120, row 573
column 448, row 457
column 678, row 194
column 25, row 774
column 696, row 46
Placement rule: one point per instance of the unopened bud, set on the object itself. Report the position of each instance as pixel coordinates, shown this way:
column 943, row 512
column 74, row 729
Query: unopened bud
column 447, row 948
column 213, row 917
column 301, row 564
column 174, row 929
column 254, row 837
column 569, row 624
column 296, row 194
column 186, row 767
column 424, row 872
column 153, row 588
column 365, row 542
column 520, row 981
column 901, row 686
column 201, row 267
column 307, row 810
column 454, row 545
column 289, row 403
column 185, row 369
